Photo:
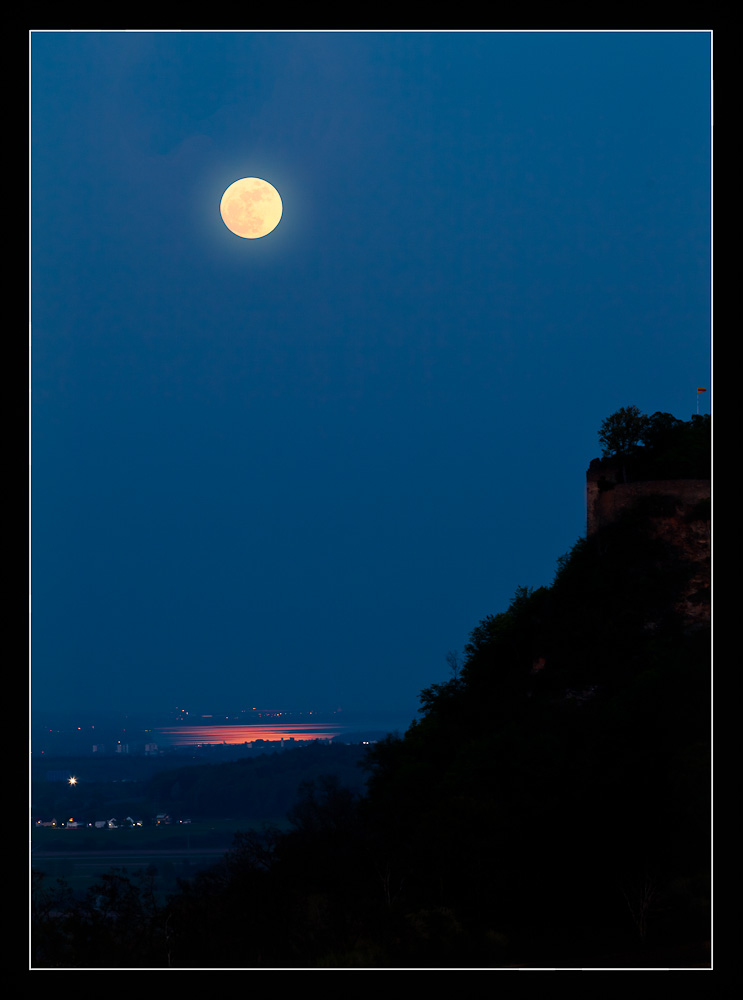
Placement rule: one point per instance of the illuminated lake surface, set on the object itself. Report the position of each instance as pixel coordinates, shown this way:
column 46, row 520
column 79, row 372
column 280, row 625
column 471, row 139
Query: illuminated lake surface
column 277, row 729
column 190, row 735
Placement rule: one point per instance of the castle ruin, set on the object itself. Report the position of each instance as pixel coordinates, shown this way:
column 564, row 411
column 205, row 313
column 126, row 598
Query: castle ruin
column 681, row 517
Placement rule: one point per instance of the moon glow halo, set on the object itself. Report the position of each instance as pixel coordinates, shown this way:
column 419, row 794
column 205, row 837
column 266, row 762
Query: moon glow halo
column 251, row 208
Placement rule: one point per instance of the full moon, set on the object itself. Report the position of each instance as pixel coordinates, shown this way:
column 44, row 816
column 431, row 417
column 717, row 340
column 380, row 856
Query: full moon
column 251, row 208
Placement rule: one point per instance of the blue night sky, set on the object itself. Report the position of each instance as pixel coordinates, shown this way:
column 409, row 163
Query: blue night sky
column 297, row 471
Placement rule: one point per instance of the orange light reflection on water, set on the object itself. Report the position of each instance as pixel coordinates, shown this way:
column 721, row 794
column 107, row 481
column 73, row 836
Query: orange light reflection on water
column 189, row 735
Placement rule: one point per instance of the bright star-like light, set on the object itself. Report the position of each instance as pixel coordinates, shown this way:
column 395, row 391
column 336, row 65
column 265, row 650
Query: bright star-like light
column 73, row 781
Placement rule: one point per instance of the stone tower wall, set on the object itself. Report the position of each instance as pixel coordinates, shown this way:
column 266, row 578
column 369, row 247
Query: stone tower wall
column 607, row 496
column 605, row 499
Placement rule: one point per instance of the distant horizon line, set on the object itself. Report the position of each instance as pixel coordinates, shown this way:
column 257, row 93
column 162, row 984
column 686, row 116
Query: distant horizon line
column 195, row 717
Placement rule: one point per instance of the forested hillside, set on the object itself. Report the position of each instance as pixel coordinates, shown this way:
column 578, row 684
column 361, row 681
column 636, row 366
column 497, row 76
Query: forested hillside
column 550, row 807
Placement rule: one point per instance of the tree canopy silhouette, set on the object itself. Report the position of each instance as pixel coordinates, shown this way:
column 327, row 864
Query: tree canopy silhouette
column 622, row 432
column 658, row 446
